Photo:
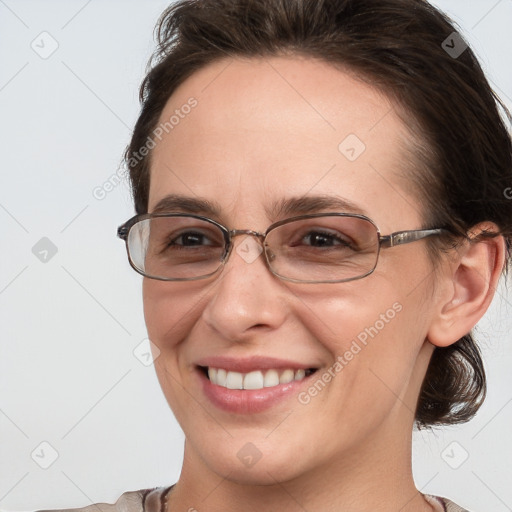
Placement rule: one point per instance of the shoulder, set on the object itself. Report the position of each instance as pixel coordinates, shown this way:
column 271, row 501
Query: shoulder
column 452, row 507
column 444, row 504
column 144, row 500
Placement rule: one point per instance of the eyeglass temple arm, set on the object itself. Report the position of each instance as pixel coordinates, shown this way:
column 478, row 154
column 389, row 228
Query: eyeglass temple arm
column 405, row 237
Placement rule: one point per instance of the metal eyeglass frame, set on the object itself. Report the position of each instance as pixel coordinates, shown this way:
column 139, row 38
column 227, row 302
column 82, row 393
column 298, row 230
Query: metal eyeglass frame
column 384, row 241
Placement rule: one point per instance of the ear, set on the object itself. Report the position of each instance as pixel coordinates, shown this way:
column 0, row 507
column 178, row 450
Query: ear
column 468, row 285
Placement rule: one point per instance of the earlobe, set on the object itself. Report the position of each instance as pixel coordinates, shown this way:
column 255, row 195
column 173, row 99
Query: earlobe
column 470, row 281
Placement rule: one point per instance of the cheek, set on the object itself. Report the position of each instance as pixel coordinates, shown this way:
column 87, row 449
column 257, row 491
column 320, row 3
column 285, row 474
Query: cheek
column 350, row 311
column 170, row 310
column 372, row 338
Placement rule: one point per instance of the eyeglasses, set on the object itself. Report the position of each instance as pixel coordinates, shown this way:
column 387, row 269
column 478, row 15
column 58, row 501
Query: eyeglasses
column 317, row 248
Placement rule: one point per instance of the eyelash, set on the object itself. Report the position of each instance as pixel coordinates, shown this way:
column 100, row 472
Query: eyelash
column 309, row 234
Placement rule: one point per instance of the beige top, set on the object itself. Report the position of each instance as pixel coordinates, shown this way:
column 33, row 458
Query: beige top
column 154, row 500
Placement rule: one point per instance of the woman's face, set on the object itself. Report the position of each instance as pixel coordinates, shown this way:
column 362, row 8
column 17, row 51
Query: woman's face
column 261, row 132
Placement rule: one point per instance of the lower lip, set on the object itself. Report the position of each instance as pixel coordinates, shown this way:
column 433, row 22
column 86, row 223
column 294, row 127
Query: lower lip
column 249, row 401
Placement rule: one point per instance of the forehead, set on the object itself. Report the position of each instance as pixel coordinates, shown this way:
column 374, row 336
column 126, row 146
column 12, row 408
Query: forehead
column 260, row 130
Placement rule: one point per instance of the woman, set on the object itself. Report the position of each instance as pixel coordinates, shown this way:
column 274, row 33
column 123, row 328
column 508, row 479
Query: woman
column 322, row 218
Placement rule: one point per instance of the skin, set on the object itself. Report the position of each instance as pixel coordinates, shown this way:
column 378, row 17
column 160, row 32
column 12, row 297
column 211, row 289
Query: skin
column 264, row 130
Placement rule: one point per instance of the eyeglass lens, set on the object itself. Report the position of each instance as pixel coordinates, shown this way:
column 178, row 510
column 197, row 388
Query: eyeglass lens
column 330, row 248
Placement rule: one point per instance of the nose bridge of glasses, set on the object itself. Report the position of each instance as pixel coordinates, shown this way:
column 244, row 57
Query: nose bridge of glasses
column 238, row 232
column 260, row 236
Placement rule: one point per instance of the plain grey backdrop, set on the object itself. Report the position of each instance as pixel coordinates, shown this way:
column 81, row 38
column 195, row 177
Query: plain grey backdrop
column 82, row 417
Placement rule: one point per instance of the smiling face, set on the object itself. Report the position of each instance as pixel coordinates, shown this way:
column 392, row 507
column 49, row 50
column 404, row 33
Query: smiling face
column 342, row 362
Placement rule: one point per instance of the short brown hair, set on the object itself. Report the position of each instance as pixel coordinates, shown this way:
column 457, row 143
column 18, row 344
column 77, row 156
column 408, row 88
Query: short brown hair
column 463, row 152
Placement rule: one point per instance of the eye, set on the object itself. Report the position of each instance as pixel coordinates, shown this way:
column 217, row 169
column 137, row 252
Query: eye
column 189, row 239
column 324, row 238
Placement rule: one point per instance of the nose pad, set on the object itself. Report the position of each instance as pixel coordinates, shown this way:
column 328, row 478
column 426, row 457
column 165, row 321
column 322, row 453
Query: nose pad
column 270, row 255
column 227, row 253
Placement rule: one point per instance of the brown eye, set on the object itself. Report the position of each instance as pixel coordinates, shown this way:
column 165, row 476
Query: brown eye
column 325, row 239
column 190, row 239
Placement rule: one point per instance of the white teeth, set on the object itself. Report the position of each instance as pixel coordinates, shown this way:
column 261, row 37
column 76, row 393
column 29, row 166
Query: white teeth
column 271, row 379
column 222, row 376
column 300, row 374
column 253, row 380
column 286, row 376
column 212, row 374
column 235, row 380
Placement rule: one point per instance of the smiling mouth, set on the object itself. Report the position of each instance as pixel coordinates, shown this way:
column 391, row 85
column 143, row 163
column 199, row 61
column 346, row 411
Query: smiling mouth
column 258, row 379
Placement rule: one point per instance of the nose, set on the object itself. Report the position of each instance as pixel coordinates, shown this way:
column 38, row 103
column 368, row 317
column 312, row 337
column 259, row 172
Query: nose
column 247, row 297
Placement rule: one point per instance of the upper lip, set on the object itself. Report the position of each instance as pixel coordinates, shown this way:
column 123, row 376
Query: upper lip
column 249, row 364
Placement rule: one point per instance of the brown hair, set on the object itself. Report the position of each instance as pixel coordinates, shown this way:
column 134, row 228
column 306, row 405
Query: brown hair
column 462, row 150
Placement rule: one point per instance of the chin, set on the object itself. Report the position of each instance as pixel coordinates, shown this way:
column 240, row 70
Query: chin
column 246, row 456
column 266, row 471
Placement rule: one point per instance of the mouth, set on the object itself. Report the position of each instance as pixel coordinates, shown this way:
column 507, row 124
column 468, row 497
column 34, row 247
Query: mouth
column 251, row 385
column 256, row 379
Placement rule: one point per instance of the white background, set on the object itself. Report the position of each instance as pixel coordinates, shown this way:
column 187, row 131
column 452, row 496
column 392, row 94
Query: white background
column 68, row 375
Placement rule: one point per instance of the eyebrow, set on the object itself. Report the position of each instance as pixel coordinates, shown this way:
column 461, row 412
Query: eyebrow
column 305, row 205
column 282, row 208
